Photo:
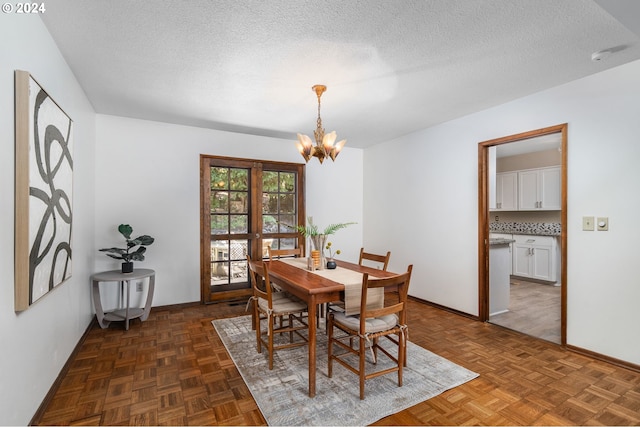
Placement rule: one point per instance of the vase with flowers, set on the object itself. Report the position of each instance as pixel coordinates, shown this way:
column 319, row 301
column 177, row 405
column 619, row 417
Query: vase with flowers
column 331, row 263
column 318, row 238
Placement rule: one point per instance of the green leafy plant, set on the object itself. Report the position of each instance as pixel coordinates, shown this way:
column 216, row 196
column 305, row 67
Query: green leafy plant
column 128, row 254
column 312, row 230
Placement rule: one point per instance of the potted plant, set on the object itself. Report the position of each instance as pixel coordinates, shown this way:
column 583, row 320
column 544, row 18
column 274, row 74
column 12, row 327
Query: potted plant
column 128, row 254
column 318, row 239
column 312, row 230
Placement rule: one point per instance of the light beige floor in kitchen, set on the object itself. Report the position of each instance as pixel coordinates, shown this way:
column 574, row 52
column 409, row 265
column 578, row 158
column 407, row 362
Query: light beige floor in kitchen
column 534, row 309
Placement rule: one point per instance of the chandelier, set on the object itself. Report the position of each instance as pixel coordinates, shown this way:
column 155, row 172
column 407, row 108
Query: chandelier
column 324, row 143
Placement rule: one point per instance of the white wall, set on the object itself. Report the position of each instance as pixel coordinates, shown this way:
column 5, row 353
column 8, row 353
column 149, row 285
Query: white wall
column 147, row 175
column 426, row 211
column 37, row 342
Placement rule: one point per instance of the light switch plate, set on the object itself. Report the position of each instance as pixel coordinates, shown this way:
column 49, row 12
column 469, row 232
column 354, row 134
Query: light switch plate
column 603, row 223
column 587, row 223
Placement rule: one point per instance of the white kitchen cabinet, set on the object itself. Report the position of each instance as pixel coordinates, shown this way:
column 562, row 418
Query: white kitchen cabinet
column 535, row 257
column 539, row 189
column 506, row 191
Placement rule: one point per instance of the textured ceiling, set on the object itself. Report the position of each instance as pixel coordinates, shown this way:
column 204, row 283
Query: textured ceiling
column 391, row 67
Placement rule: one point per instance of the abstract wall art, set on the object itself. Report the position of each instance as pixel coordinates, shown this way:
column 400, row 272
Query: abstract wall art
column 43, row 193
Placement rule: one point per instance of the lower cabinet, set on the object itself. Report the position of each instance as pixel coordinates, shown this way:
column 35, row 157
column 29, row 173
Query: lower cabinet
column 504, row 236
column 535, row 257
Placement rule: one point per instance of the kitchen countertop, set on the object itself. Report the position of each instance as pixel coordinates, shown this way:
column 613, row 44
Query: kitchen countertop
column 532, row 228
column 495, row 241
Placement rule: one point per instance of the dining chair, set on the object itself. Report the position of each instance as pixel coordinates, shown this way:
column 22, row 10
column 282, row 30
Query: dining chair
column 268, row 305
column 382, row 259
column 277, row 253
column 368, row 256
column 368, row 327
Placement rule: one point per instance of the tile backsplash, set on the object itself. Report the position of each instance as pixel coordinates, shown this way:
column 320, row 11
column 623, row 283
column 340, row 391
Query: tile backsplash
column 537, row 228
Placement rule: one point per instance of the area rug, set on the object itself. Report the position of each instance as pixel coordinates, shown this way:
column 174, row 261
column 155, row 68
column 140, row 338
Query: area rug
column 283, row 393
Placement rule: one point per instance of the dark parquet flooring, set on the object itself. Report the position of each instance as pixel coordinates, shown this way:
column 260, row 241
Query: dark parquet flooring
column 174, row 370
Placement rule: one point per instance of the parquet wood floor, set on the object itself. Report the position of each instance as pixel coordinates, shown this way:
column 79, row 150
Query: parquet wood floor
column 174, row 370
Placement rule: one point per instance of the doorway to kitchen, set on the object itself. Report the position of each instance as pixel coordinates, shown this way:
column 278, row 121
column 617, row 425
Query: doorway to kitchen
column 522, row 241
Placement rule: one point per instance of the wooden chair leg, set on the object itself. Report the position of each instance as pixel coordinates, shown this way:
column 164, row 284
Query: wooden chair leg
column 375, row 350
column 256, row 315
column 271, row 324
column 362, row 355
column 253, row 314
column 330, row 344
column 402, row 359
column 290, row 326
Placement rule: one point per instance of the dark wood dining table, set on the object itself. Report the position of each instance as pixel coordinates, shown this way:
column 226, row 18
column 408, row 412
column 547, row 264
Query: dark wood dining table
column 314, row 289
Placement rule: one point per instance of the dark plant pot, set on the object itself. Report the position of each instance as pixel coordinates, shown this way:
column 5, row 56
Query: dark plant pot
column 331, row 264
column 127, row 267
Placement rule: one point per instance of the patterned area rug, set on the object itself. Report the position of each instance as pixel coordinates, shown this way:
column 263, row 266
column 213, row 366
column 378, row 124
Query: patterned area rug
column 282, row 394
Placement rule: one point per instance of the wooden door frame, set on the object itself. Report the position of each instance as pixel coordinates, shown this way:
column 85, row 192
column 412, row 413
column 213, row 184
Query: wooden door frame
column 483, row 221
column 205, row 226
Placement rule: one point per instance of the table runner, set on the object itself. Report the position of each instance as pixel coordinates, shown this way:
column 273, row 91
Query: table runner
column 352, row 281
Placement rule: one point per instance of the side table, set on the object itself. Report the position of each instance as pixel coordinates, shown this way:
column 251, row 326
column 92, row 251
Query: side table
column 126, row 313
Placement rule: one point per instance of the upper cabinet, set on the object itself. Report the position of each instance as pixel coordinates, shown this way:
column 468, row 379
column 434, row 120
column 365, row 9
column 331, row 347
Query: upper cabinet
column 528, row 190
column 506, row 191
column 539, row 189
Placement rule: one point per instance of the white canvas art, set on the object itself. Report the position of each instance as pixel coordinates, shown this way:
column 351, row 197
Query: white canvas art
column 47, row 208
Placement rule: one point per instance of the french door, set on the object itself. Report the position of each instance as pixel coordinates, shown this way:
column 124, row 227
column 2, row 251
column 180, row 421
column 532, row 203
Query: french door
column 246, row 206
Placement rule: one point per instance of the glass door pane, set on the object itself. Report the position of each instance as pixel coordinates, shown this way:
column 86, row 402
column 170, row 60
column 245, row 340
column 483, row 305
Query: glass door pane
column 230, row 219
column 279, row 210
